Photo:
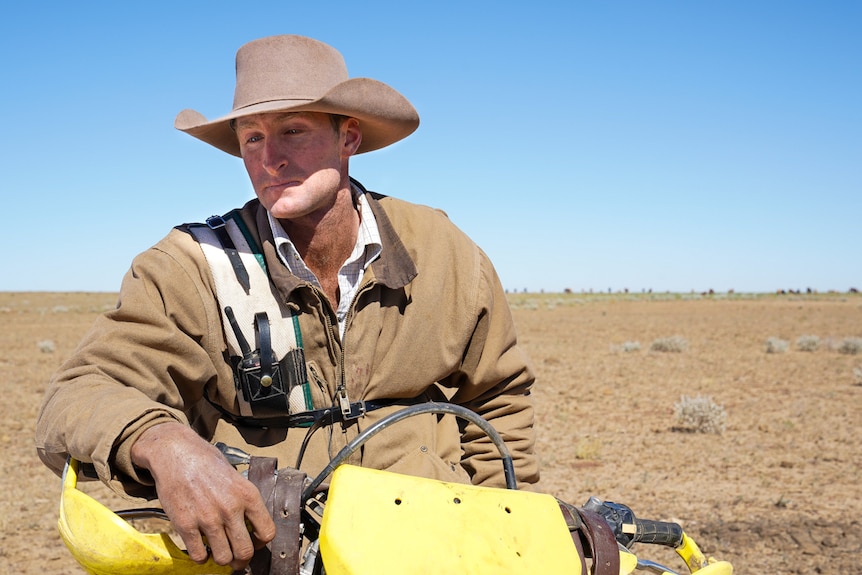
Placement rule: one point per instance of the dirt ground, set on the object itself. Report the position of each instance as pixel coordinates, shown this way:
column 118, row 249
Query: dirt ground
column 777, row 492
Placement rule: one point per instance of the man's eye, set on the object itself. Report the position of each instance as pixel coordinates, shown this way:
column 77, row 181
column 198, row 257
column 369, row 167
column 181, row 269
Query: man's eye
column 252, row 139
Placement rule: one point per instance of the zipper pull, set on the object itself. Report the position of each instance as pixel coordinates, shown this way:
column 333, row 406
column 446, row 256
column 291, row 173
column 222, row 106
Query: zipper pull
column 343, row 400
column 349, row 410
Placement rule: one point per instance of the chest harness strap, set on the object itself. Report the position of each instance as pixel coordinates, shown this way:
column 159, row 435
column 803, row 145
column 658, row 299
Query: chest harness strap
column 270, row 379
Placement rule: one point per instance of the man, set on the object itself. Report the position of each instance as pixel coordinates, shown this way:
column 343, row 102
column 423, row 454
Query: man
column 386, row 304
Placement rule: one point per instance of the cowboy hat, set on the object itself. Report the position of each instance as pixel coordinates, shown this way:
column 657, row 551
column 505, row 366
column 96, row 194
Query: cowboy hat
column 297, row 74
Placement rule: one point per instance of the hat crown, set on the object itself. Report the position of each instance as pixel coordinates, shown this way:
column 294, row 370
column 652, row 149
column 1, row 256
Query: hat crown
column 291, row 73
column 286, row 67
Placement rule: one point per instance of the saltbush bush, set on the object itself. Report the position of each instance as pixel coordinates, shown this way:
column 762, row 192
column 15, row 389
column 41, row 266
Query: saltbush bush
column 631, row 346
column 673, row 344
column 851, row 346
column 808, row 343
column 47, row 346
column 776, row 345
column 700, row 414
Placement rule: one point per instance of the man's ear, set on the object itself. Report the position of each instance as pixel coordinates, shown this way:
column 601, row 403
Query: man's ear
column 352, row 136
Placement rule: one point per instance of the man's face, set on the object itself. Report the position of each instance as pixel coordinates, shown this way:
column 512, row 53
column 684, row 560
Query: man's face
column 296, row 161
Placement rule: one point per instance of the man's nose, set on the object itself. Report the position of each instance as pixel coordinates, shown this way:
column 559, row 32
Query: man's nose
column 274, row 158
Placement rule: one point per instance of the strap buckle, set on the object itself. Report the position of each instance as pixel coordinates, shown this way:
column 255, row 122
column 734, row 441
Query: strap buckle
column 216, row 222
column 219, row 225
column 353, row 410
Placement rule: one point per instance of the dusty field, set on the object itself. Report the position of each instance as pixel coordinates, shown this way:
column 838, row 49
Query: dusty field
column 777, row 492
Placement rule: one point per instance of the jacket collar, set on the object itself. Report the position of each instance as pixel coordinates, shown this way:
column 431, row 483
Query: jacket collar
column 394, row 268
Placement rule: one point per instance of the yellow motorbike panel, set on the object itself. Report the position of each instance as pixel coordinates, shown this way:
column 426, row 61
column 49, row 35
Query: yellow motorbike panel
column 628, row 562
column 698, row 563
column 381, row 523
column 105, row 544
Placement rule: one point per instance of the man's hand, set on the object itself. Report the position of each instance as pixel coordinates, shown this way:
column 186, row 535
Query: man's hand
column 203, row 495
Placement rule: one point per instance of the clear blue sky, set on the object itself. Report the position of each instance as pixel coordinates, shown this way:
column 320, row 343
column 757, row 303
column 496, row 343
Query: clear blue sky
column 666, row 145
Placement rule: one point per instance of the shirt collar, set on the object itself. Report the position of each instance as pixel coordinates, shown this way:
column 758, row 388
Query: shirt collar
column 368, row 242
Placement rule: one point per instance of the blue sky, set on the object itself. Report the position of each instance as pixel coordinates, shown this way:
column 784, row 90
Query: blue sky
column 666, row 145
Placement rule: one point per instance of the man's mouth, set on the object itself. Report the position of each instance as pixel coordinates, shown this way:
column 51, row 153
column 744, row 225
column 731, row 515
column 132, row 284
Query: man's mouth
column 281, row 185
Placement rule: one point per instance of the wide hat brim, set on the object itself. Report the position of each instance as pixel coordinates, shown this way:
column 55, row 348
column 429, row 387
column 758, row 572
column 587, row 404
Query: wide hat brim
column 384, row 115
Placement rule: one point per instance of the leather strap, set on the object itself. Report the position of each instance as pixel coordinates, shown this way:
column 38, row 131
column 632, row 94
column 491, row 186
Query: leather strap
column 285, row 547
column 264, row 344
column 599, row 543
column 575, row 525
column 281, row 491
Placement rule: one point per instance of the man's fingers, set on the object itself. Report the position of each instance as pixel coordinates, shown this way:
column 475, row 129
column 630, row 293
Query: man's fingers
column 219, row 546
column 240, row 540
column 195, row 546
column 261, row 522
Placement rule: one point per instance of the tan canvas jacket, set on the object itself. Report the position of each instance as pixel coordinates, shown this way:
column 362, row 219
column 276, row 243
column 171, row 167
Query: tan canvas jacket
column 430, row 320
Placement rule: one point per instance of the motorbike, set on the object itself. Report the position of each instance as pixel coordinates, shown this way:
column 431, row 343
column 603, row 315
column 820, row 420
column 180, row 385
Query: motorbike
column 350, row 520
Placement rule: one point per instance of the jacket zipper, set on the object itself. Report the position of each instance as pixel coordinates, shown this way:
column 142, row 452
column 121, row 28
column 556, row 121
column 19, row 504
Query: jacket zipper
column 341, row 390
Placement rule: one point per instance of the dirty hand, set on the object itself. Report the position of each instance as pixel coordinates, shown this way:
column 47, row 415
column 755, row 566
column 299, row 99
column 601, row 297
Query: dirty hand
column 203, row 495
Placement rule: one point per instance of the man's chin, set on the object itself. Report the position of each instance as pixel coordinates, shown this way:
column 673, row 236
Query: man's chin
column 280, row 205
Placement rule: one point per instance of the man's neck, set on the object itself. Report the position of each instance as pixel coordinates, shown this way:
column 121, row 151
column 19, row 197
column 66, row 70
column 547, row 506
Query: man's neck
column 325, row 241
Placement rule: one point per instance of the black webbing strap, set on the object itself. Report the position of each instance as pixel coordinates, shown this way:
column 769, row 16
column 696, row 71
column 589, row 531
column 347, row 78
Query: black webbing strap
column 217, row 224
column 329, row 415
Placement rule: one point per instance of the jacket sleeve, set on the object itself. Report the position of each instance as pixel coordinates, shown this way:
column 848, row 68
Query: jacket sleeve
column 497, row 381
column 141, row 364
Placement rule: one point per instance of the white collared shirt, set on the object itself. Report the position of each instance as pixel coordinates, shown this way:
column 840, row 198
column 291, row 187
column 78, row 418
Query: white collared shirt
column 367, row 249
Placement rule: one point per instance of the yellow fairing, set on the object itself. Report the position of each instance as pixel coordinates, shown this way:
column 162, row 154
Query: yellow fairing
column 628, row 562
column 105, row 544
column 716, row 568
column 697, row 562
column 382, row 523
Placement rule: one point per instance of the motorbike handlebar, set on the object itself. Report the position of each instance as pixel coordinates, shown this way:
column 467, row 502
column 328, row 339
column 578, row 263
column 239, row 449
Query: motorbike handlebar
column 657, row 532
column 628, row 529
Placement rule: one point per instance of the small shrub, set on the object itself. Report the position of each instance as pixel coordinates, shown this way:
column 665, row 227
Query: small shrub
column 857, row 374
column 700, row 414
column 808, row 343
column 776, row 345
column 673, row 344
column 588, row 449
column 631, row 346
column 46, row 346
column 851, row 346
column 625, row 347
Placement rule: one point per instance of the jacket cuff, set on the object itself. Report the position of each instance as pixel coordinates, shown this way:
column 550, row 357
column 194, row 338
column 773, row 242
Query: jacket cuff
column 125, row 477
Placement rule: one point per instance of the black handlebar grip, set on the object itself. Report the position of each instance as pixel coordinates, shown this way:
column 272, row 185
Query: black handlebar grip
column 658, row 532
